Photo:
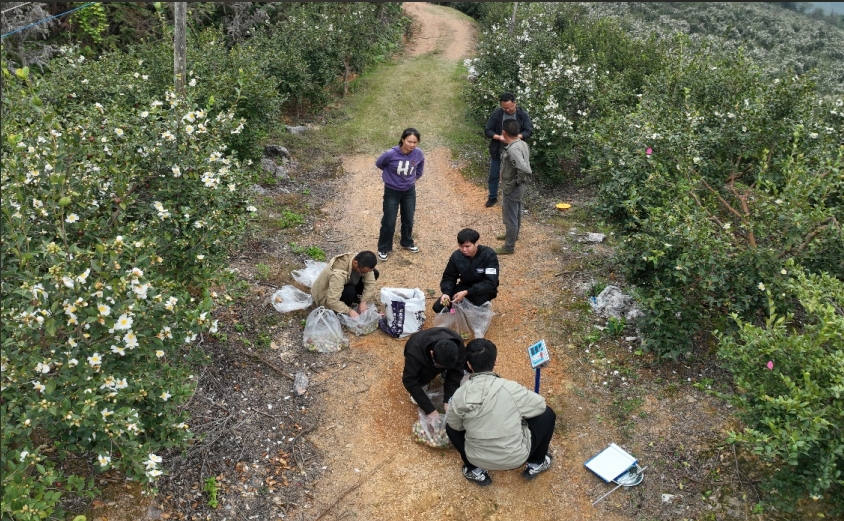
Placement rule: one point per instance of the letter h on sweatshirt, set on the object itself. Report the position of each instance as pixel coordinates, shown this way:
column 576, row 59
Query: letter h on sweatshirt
column 404, row 169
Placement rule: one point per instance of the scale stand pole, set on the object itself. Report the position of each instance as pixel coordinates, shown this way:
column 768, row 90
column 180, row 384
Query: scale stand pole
column 536, row 381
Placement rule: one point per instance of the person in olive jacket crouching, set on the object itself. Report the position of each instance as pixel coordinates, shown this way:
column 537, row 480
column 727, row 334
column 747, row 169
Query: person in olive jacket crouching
column 471, row 273
column 428, row 353
column 497, row 424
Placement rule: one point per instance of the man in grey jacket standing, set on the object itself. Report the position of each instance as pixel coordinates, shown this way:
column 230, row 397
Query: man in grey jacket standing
column 498, row 424
column 507, row 110
column 515, row 169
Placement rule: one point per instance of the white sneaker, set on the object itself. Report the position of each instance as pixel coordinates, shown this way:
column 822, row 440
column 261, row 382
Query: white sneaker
column 382, row 255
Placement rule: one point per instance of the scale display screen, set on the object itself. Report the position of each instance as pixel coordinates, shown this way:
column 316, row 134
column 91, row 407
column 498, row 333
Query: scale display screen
column 538, row 353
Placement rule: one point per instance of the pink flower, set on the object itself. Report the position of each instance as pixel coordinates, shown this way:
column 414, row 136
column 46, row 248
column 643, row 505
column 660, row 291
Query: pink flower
column 649, row 151
column 452, row 311
column 770, row 365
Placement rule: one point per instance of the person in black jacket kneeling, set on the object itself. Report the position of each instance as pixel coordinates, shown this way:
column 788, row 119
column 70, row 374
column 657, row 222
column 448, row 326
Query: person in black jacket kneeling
column 428, row 353
column 471, row 273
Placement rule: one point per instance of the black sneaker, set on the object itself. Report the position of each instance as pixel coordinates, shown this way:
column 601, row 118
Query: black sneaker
column 481, row 478
column 532, row 471
column 491, row 202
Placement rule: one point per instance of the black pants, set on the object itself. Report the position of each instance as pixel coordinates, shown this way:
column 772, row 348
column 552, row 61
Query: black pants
column 478, row 300
column 541, row 430
column 351, row 292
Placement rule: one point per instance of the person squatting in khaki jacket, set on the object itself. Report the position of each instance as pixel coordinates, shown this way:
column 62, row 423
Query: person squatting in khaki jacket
column 348, row 279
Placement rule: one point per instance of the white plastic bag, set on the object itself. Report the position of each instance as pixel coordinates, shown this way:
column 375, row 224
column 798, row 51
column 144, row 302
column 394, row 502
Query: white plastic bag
column 323, row 332
column 404, row 309
column 289, row 298
column 365, row 323
column 307, row 276
column 478, row 317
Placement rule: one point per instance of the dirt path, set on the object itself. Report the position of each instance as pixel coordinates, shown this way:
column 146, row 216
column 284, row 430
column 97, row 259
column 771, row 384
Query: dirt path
column 374, row 470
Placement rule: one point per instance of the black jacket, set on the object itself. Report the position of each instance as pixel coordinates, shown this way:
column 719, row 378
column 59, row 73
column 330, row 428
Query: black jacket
column 496, row 121
column 480, row 273
column 419, row 368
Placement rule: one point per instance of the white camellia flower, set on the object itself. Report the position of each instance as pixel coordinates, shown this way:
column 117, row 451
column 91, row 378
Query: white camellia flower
column 104, row 460
column 41, row 367
column 159, row 353
column 131, row 340
column 72, row 218
column 119, row 132
column 118, row 350
column 123, row 322
column 24, row 454
column 761, row 286
column 38, row 386
column 95, row 360
column 104, row 310
column 251, row 208
column 72, row 362
column 165, row 396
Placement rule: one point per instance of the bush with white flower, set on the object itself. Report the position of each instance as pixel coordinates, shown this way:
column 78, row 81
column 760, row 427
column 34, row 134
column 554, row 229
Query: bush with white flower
column 565, row 69
column 715, row 180
column 110, row 242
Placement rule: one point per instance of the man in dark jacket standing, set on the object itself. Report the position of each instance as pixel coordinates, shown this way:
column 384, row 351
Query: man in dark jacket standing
column 507, row 110
column 428, row 353
column 471, row 273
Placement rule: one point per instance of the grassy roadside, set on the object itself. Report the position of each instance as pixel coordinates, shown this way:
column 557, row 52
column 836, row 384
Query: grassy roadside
column 422, row 92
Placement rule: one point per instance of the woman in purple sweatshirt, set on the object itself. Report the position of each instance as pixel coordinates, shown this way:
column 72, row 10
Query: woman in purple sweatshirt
column 401, row 166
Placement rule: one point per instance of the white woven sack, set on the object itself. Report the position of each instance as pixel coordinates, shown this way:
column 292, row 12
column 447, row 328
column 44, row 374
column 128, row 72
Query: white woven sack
column 404, row 309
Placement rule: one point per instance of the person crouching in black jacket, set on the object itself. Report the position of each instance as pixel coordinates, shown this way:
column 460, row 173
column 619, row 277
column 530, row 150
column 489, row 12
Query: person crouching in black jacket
column 428, row 353
column 471, row 273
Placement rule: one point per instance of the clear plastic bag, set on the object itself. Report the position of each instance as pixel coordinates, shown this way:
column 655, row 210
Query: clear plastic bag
column 479, row 318
column 323, row 332
column 289, row 298
column 307, row 276
column 455, row 321
column 365, row 323
column 430, row 432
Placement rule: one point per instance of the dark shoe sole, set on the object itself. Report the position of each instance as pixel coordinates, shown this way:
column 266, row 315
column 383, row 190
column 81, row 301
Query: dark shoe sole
column 490, row 202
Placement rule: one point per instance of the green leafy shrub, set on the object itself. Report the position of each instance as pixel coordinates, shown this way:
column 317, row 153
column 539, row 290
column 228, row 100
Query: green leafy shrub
column 115, row 221
column 221, row 80
column 715, row 181
column 790, row 378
